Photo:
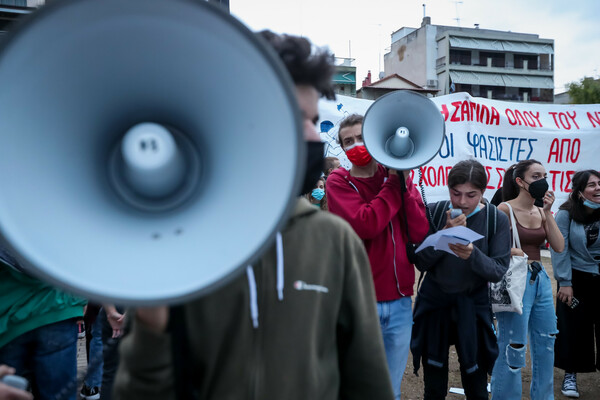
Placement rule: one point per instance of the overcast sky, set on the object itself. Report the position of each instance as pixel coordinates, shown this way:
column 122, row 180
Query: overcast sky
column 362, row 28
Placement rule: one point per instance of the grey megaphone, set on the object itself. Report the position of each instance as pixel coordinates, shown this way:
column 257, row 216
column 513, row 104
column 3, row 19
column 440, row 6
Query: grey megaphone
column 135, row 140
column 403, row 130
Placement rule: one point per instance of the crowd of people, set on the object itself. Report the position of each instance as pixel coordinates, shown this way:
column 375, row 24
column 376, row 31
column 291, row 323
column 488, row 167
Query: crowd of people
column 327, row 311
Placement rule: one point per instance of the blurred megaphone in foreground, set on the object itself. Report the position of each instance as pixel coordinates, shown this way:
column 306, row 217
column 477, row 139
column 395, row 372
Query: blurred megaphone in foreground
column 135, row 140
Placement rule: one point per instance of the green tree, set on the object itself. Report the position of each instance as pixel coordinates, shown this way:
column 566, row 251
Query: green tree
column 587, row 91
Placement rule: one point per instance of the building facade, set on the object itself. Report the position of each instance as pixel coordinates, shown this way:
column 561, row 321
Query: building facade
column 485, row 63
column 344, row 78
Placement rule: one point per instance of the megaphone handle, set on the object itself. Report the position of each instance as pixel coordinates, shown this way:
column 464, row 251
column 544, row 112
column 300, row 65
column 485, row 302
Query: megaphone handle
column 403, row 191
column 402, row 184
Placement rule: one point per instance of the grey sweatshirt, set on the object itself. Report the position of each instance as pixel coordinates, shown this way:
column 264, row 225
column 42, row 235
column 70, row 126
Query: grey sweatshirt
column 488, row 261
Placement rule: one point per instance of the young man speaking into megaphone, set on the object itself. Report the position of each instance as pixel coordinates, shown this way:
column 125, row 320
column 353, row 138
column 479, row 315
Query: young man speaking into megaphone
column 372, row 199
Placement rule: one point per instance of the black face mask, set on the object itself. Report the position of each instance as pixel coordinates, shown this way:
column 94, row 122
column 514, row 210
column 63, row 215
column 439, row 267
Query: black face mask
column 537, row 190
column 315, row 156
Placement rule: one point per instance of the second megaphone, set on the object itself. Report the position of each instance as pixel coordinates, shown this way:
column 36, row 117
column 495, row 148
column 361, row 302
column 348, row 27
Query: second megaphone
column 403, row 130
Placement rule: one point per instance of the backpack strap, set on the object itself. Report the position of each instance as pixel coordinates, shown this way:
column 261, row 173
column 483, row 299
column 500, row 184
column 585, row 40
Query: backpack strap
column 438, row 213
column 492, row 218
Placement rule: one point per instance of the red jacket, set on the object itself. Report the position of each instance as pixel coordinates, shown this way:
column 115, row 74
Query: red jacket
column 373, row 207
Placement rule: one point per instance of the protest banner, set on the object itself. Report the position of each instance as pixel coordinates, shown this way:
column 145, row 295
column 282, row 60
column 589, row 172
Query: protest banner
column 565, row 138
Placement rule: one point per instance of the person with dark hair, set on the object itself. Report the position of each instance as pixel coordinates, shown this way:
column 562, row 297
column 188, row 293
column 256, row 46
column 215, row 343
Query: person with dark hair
column 525, row 189
column 577, row 275
column 317, row 196
column 376, row 203
column 452, row 305
column 331, row 163
column 300, row 323
column 497, row 198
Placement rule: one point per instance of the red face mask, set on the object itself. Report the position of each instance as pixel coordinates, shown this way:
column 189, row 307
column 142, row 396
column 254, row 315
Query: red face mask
column 358, row 154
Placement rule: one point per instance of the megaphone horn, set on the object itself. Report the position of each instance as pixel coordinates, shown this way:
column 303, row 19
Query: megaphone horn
column 134, row 136
column 403, row 130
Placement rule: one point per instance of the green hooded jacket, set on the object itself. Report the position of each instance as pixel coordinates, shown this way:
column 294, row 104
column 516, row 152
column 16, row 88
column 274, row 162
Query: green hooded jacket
column 315, row 337
column 27, row 303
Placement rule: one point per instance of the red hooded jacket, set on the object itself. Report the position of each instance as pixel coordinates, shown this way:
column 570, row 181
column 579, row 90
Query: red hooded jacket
column 372, row 206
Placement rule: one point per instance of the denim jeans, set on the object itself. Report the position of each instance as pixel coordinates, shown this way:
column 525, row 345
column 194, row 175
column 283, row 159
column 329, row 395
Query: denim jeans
column 93, row 377
column 538, row 322
column 47, row 357
column 395, row 318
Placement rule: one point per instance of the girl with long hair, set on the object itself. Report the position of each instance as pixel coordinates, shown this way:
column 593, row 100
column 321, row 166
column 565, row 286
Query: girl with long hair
column 576, row 272
column 526, row 190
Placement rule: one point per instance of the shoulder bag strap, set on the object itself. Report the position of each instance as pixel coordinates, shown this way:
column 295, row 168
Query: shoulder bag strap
column 515, row 233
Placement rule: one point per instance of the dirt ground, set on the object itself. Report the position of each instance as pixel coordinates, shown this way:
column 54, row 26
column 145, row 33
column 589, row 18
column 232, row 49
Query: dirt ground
column 588, row 384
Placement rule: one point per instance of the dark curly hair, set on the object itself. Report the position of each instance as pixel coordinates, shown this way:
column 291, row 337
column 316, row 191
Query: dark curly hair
column 305, row 66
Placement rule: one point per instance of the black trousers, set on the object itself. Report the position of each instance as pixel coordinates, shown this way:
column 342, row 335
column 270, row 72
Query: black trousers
column 436, row 383
column 579, row 328
column 110, row 353
column 436, row 378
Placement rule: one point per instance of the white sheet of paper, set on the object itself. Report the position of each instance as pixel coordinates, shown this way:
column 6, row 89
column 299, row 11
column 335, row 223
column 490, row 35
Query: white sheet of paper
column 441, row 239
column 457, row 390
column 462, row 391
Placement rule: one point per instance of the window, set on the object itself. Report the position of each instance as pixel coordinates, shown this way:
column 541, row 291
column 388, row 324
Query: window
column 462, row 57
column 531, row 61
column 19, row 3
column 497, row 59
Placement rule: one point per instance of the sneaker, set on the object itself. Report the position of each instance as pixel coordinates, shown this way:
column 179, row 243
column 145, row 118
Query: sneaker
column 569, row 385
column 89, row 393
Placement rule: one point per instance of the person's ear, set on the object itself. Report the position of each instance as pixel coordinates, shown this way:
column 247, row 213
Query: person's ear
column 520, row 183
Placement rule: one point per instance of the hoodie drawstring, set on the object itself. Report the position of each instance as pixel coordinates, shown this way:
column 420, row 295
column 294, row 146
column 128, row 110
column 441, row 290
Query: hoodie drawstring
column 279, row 241
column 252, row 281
column 253, row 296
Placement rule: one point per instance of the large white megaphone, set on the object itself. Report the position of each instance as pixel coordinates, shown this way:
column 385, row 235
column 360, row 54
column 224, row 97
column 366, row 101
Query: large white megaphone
column 403, row 130
column 135, row 137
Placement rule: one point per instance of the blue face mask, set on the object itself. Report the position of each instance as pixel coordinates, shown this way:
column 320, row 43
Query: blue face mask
column 475, row 211
column 590, row 204
column 318, row 194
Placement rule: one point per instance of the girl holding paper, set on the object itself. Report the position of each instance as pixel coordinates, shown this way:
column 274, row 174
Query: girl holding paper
column 454, row 295
column 526, row 190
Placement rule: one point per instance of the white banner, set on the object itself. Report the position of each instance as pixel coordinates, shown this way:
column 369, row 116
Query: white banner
column 564, row 138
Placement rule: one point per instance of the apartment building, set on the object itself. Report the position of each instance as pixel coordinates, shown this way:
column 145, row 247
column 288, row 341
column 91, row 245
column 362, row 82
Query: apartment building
column 483, row 62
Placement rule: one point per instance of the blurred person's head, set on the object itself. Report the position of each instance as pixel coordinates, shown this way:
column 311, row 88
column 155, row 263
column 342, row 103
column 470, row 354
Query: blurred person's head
column 330, row 164
column 311, row 70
